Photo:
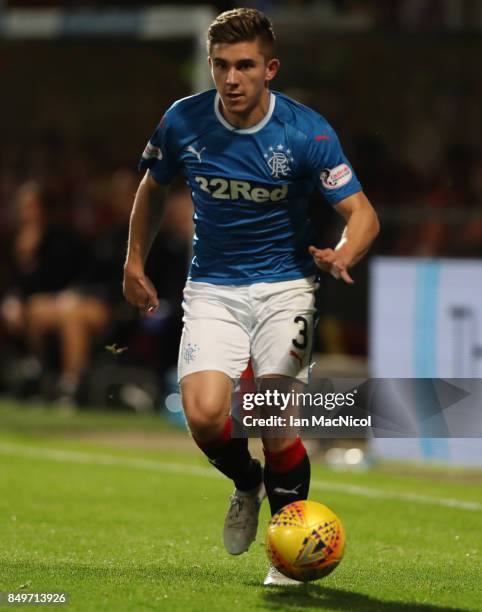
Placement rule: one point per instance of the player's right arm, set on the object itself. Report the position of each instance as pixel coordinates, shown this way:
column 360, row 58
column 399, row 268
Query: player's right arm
column 159, row 159
column 143, row 227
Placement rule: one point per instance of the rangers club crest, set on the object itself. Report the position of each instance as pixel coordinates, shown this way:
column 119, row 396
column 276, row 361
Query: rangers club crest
column 278, row 160
column 190, row 352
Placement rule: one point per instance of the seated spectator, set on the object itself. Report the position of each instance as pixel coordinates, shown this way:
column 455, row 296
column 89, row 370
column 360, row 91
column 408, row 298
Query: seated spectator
column 60, row 290
column 45, row 258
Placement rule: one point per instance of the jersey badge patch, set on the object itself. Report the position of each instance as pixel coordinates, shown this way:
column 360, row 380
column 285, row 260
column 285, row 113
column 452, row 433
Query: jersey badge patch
column 333, row 178
column 278, row 160
column 152, row 152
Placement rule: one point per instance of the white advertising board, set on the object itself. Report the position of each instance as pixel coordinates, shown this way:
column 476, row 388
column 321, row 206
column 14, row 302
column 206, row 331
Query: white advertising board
column 426, row 322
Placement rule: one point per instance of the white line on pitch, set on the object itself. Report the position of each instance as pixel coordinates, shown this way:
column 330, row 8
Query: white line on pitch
column 20, row 450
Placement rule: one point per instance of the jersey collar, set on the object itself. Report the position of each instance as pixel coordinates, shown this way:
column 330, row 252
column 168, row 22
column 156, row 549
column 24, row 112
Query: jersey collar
column 254, row 128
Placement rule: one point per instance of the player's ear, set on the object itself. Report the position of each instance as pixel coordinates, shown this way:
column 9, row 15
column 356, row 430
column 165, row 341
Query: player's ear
column 272, row 67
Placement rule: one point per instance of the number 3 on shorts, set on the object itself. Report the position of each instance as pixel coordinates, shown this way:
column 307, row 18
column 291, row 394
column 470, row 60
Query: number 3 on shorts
column 301, row 340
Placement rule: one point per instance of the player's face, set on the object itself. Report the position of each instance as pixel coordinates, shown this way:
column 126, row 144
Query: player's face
column 241, row 73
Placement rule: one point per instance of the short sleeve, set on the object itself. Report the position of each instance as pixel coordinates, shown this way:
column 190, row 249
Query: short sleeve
column 329, row 166
column 160, row 154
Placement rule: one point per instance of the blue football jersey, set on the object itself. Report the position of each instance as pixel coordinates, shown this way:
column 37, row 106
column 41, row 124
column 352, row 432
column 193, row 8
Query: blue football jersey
column 250, row 187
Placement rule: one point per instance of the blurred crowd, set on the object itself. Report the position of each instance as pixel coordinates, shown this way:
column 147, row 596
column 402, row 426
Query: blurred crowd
column 434, row 211
column 403, row 14
column 62, row 315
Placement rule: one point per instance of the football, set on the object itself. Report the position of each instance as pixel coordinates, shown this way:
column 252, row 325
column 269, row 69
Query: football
column 305, row 540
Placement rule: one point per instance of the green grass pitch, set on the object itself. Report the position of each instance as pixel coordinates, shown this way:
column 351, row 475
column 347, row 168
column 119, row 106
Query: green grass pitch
column 133, row 526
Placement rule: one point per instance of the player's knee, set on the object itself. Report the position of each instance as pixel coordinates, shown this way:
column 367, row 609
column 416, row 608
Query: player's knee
column 204, row 413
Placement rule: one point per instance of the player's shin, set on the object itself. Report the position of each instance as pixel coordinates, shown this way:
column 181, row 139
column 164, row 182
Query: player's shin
column 231, row 457
column 286, row 475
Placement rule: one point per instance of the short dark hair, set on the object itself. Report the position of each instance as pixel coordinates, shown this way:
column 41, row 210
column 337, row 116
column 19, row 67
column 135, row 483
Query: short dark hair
column 240, row 25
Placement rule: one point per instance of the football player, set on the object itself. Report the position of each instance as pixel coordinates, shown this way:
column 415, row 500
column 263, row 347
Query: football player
column 251, row 158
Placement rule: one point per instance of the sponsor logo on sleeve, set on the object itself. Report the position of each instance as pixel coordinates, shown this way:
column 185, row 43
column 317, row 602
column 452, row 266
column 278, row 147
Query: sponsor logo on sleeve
column 152, row 152
column 334, row 178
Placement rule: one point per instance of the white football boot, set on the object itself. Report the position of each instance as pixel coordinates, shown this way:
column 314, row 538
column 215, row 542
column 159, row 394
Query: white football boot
column 276, row 578
column 241, row 523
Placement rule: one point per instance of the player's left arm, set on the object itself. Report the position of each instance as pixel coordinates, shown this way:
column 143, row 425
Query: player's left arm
column 362, row 227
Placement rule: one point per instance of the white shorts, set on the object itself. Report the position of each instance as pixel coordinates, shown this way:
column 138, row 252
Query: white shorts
column 269, row 323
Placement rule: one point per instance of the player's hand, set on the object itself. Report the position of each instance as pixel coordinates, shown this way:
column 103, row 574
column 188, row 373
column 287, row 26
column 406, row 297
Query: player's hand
column 140, row 292
column 331, row 261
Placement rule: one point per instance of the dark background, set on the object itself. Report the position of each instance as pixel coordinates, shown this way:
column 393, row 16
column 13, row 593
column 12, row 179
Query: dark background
column 400, row 82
